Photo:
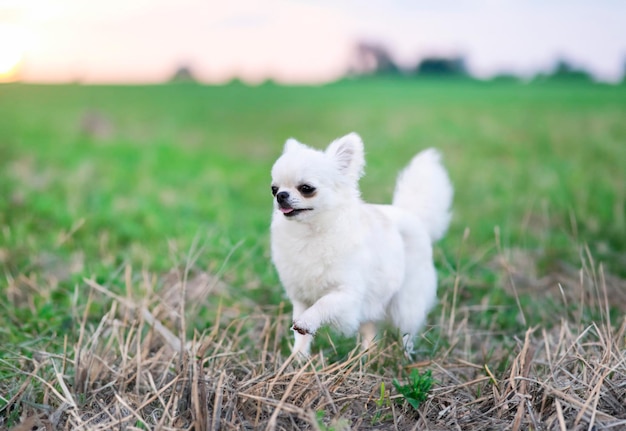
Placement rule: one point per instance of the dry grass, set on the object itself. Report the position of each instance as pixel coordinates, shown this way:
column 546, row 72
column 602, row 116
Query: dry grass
column 136, row 370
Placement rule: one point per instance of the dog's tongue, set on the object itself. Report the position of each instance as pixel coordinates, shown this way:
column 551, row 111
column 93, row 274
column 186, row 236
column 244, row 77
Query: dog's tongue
column 286, row 210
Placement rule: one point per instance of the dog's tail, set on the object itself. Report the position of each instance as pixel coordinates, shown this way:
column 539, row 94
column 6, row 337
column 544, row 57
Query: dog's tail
column 424, row 189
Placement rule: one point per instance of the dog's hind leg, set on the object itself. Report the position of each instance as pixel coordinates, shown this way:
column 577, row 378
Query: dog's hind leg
column 409, row 346
column 368, row 333
column 409, row 307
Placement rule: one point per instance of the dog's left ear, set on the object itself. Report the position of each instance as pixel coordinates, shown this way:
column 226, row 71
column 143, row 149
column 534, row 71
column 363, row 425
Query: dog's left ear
column 292, row 145
column 347, row 152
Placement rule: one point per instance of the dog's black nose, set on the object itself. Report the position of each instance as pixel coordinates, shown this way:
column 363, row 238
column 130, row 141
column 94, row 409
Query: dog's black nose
column 282, row 197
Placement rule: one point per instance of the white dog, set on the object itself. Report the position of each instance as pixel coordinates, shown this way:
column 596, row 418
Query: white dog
column 348, row 263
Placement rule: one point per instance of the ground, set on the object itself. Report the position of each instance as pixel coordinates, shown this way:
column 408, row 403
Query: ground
column 140, row 293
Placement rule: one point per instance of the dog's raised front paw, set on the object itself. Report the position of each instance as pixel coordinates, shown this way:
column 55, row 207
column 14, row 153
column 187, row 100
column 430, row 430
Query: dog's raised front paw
column 301, row 329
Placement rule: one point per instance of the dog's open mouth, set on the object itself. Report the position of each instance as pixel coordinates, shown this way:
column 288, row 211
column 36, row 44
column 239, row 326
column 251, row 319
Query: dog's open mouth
column 289, row 211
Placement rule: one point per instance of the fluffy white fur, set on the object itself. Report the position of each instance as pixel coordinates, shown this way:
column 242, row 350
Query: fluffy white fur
column 351, row 264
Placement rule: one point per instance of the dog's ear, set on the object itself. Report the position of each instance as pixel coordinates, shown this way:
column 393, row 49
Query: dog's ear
column 347, row 152
column 292, row 144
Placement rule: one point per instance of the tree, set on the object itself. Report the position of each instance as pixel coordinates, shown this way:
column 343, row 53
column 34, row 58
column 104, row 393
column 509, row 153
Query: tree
column 373, row 59
column 183, row 74
column 441, row 66
column 565, row 70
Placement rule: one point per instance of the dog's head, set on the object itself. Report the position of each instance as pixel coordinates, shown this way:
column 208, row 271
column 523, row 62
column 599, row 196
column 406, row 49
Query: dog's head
column 306, row 181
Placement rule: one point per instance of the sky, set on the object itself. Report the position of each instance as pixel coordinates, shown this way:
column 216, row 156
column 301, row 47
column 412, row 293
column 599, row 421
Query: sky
column 299, row 41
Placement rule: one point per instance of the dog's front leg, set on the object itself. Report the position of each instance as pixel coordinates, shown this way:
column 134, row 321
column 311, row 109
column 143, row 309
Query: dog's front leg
column 302, row 340
column 338, row 308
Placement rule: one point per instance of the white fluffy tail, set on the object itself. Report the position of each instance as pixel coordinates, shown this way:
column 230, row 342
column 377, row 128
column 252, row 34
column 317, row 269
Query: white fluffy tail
column 424, row 189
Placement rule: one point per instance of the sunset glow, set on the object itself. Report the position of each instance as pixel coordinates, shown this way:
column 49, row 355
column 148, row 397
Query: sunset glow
column 11, row 52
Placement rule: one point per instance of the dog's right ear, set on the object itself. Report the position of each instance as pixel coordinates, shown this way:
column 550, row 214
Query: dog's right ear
column 292, row 145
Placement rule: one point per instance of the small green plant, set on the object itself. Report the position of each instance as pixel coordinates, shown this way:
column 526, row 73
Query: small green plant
column 382, row 403
column 416, row 390
column 340, row 424
column 319, row 419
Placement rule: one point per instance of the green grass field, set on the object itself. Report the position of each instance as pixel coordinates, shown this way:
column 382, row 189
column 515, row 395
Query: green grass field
column 139, row 291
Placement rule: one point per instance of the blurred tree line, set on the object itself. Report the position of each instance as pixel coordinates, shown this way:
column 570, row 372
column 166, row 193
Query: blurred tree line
column 375, row 60
column 371, row 59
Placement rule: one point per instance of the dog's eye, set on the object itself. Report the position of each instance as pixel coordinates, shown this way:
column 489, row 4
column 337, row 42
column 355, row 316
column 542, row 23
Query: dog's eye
column 274, row 190
column 306, row 190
